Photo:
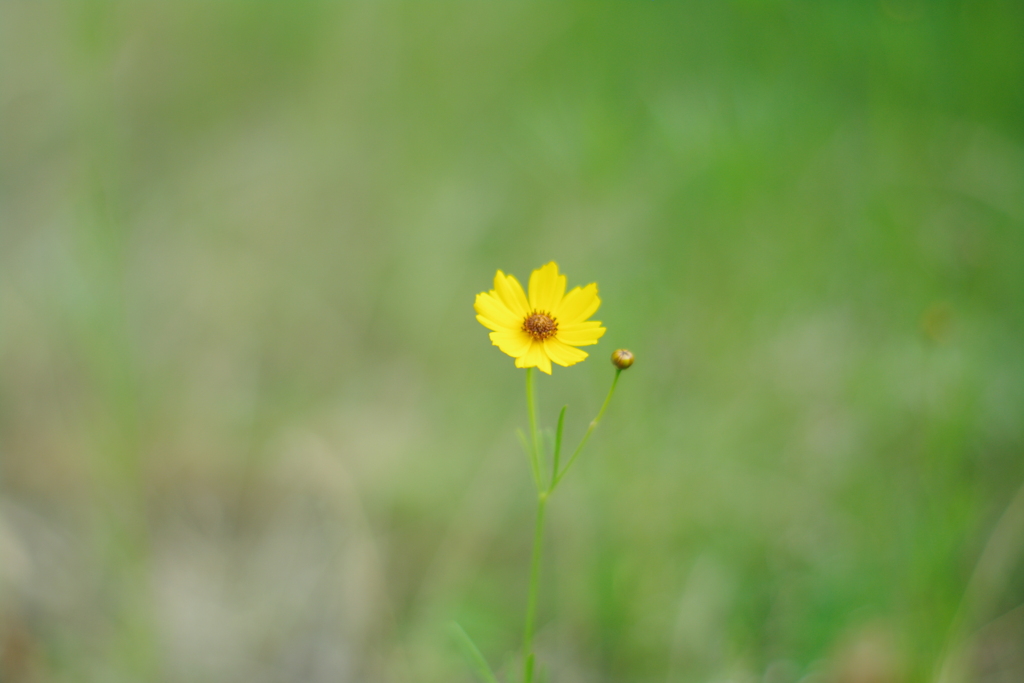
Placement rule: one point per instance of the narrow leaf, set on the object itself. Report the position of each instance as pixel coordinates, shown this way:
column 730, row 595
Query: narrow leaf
column 472, row 653
column 558, row 445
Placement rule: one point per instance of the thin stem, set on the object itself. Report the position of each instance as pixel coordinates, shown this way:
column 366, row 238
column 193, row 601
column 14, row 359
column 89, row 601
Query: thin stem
column 590, row 430
column 531, row 600
column 538, row 535
column 532, row 411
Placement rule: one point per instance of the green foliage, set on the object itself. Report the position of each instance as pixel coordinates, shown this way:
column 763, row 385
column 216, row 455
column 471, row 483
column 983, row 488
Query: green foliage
column 250, row 430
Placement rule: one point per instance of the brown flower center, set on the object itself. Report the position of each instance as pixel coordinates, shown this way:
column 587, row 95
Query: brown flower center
column 540, row 325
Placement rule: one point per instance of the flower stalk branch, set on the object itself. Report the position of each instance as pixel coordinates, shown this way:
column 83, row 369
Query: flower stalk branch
column 542, row 498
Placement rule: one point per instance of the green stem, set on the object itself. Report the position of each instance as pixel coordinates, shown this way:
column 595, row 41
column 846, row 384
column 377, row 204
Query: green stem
column 532, row 411
column 590, row 430
column 538, row 534
column 531, row 600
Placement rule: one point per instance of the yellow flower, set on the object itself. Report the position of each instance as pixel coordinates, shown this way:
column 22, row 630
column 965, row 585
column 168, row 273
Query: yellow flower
column 544, row 328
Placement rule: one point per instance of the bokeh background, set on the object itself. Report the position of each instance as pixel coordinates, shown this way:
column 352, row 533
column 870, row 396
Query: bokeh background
column 252, row 432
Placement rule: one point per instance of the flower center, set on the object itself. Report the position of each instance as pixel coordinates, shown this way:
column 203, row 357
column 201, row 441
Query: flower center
column 540, row 325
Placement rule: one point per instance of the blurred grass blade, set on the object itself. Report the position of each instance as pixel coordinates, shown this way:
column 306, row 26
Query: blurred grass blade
column 529, row 454
column 473, row 653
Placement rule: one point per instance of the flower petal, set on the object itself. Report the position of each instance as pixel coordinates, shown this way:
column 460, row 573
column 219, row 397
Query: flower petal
column 562, row 353
column 546, row 288
column 578, row 305
column 535, row 358
column 585, row 325
column 516, row 343
column 581, row 334
column 510, row 292
column 491, row 325
column 489, row 306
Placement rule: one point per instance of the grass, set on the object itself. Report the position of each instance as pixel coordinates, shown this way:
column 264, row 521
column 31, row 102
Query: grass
column 249, row 429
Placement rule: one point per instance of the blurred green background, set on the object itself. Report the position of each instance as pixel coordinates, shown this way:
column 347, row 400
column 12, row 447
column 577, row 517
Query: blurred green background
column 252, row 432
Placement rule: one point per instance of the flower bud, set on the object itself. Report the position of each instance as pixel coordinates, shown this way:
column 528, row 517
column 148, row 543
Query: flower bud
column 622, row 359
